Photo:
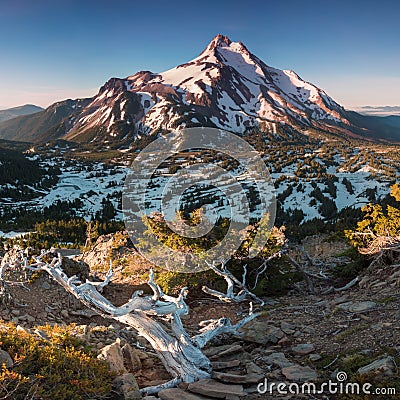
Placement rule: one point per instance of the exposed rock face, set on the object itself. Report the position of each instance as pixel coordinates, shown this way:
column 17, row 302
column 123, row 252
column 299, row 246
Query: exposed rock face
column 106, row 248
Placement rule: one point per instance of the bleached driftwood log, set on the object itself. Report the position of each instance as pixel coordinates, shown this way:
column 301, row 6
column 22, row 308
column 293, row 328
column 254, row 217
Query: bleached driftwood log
column 180, row 353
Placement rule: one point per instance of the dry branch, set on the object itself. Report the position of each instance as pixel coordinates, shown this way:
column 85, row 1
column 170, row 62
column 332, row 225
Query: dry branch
column 232, row 281
column 180, row 353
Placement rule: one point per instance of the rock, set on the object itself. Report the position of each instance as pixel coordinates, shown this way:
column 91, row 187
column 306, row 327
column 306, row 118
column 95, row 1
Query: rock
column 334, row 374
column 278, row 359
column 46, row 285
column 261, row 333
column 5, row 359
column 78, row 268
column 113, row 355
column 131, row 358
column 178, row 394
column 357, row 306
column 364, row 282
column 367, row 352
column 212, row 388
column 218, row 365
column 21, row 329
column 287, row 328
column 308, row 329
column 16, row 312
column 84, row 313
column 127, row 387
column 299, row 373
column 27, row 318
column 236, row 378
column 150, row 398
column 225, row 351
column 42, row 334
column 384, row 366
column 253, row 368
column 285, row 342
column 340, row 300
column 314, row 357
column 64, row 313
column 303, row 349
column 379, row 285
column 98, row 256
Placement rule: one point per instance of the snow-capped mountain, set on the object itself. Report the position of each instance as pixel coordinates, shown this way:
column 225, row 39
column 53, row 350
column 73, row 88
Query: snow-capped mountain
column 226, row 86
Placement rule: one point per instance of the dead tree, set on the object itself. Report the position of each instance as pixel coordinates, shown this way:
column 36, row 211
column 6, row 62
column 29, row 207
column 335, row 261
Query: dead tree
column 232, row 281
column 380, row 247
column 180, row 353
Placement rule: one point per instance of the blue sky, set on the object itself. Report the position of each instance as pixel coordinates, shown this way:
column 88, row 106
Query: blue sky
column 51, row 50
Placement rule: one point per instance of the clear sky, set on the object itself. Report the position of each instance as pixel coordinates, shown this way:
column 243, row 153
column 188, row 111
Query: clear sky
column 51, row 49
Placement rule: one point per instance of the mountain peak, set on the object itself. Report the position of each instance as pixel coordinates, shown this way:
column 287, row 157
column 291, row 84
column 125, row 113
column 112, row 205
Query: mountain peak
column 219, row 41
column 226, row 86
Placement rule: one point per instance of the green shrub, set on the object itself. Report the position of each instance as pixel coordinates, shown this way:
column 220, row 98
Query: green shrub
column 59, row 368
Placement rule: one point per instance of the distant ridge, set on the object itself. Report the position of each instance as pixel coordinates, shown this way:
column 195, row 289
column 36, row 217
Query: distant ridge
column 18, row 111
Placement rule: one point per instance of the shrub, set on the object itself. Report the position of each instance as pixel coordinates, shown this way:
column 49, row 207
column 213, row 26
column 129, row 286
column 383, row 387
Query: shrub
column 58, row 368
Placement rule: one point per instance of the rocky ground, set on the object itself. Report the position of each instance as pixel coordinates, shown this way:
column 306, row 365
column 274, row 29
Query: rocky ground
column 298, row 337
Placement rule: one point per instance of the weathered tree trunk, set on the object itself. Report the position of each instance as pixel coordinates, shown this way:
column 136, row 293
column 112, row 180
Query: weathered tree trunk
column 180, row 353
